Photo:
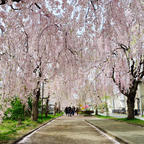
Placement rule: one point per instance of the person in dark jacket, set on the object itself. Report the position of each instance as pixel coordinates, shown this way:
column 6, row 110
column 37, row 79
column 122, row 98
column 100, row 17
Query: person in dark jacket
column 66, row 111
column 69, row 111
column 73, row 110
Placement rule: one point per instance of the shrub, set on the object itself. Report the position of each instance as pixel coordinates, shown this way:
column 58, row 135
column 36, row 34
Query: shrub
column 16, row 112
column 87, row 112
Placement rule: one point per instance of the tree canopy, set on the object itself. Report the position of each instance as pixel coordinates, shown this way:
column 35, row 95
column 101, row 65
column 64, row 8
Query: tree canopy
column 72, row 42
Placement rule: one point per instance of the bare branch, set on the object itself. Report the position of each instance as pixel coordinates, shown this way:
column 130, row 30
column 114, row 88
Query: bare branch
column 87, row 14
column 142, row 73
column 132, row 69
column 27, row 45
column 3, row 2
column 124, row 47
column 16, row 0
column 113, row 78
column 92, row 3
column 119, row 83
column 14, row 8
column 37, row 6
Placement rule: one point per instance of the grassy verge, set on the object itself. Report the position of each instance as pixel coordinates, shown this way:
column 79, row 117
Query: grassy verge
column 105, row 117
column 134, row 121
column 11, row 130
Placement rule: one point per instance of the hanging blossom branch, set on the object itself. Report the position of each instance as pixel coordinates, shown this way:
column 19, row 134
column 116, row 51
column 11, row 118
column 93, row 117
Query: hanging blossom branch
column 137, row 71
column 118, row 83
column 3, row 2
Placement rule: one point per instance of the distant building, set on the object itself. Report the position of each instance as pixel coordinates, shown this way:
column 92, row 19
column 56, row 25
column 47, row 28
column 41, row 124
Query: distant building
column 118, row 103
column 139, row 103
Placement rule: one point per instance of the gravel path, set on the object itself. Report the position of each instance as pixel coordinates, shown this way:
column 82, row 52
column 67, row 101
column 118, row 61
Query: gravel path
column 67, row 130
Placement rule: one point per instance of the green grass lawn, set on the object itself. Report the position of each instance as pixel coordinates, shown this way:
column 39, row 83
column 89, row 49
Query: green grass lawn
column 134, row 121
column 12, row 130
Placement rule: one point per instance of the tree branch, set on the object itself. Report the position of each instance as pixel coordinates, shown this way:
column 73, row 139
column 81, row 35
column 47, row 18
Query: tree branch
column 113, row 78
column 14, row 8
column 92, row 3
column 3, row 2
column 37, row 6
column 119, row 83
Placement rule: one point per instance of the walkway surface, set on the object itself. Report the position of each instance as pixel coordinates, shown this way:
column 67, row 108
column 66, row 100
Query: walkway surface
column 68, row 130
column 129, row 133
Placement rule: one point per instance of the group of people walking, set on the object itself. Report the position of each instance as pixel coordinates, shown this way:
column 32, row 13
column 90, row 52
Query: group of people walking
column 70, row 111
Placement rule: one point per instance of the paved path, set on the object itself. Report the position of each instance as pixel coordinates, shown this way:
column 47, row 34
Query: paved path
column 131, row 134
column 67, row 130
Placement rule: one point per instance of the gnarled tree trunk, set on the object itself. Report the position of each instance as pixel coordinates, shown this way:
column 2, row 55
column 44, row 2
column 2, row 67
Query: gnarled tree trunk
column 96, row 110
column 36, row 96
column 130, row 105
column 131, row 100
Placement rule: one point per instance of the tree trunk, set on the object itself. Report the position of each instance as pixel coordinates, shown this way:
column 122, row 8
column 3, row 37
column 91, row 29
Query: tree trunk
column 35, row 101
column 96, row 110
column 55, row 108
column 47, row 108
column 59, row 107
column 131, row 100
column 130, row 105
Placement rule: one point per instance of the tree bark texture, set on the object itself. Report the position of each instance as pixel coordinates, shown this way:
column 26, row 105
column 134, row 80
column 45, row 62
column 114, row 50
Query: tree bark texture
column 131, row 100
column 96, row 111
column 130, row 105
column 35, row 104
column 47, row 108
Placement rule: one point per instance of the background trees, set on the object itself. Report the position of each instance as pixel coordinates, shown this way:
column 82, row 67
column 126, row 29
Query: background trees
column 123, row 37
column 98, row 41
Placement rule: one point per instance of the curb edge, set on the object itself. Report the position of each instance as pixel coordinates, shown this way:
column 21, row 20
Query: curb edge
column 22, row 137
column 105, row 131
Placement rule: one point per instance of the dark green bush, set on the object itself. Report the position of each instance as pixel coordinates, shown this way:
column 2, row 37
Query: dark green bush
column 16, row 112
column 87, row 112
